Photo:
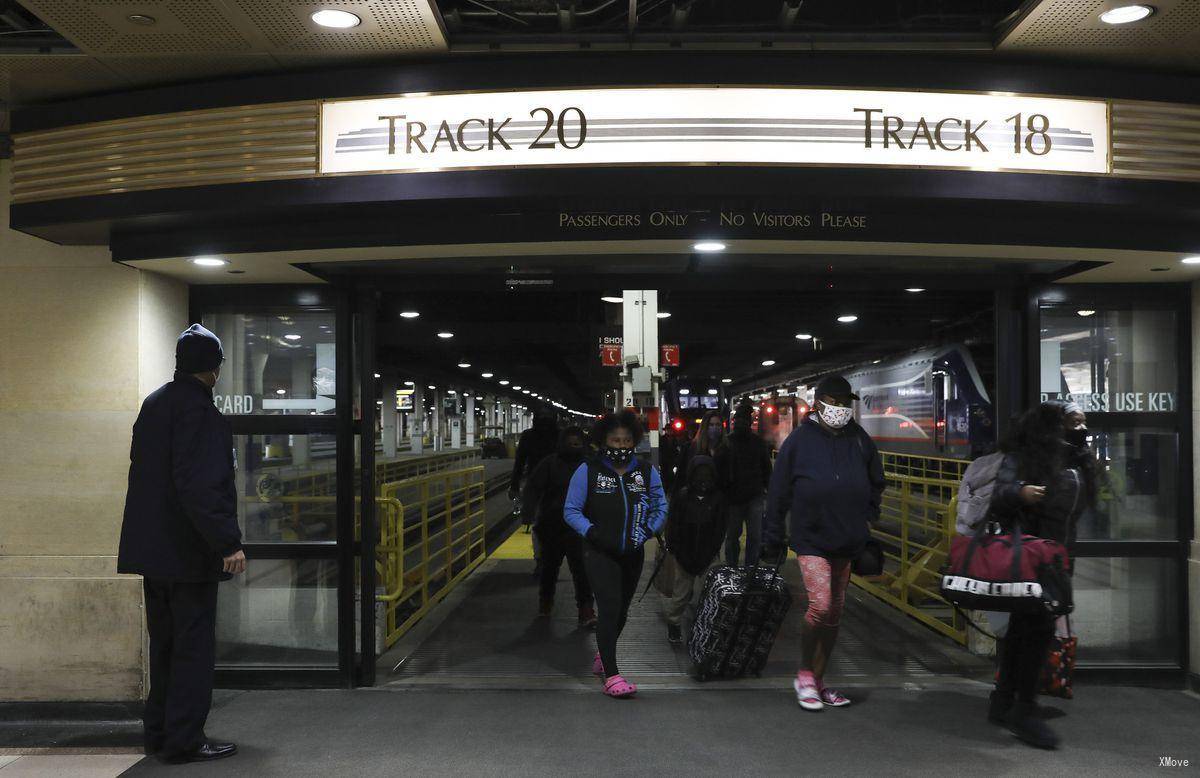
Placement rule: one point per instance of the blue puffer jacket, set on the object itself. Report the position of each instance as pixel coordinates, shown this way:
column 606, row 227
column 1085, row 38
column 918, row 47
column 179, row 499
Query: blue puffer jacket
column 627, row 510
column 832, row 484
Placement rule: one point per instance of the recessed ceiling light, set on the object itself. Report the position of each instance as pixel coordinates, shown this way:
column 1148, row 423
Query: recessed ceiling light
column 340, row 20
column 409, row 383
column 708, row 246
column 517, row 388
column 209, row 261
column 1125, row 14
column 727, row 380
column 486, row 375
column 292, row 336
column 431, row 386
column 803, row 336
column 281, row 391
column 613, row 299
column 377, row 375
column 914, row 289
column 848, row 318
column 664, row 315
column 1086, row 312
column 768, row 362
column 464, row 365
column 876, row 361
column 712, row 391
column 524, row 391
column 479, row 397
column 141, row 20
column 1191, row 260
column 409, row 314
column 685, row 392
column 503, row 382
column 445, row 335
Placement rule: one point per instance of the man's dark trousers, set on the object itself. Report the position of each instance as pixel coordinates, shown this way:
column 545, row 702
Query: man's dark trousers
column 181, row 617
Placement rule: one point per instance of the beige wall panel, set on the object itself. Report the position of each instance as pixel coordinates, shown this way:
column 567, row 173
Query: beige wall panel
column 62, row 481
column 71, row 639
column 162, row 315
column 68, row 338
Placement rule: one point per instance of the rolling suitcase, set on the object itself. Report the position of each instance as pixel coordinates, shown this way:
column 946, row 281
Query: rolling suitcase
column 741, row 611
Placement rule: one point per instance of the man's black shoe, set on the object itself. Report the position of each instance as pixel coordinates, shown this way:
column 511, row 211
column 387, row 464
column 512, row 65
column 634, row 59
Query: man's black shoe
column 674, row 633
column 205, row 753
column 1000, row 706
column 1024, row 723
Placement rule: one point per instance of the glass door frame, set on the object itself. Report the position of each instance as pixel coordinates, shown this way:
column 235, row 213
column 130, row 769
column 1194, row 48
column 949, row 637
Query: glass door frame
column 1099, row 297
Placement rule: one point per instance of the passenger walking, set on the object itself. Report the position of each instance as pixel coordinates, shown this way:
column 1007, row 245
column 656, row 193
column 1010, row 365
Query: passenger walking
column 750, row 475
column 1045, row 481
column 710, row 441
column 542, row 504
column 180, row 533
column 696, row 527
column 829, row 475
column 616, row 503
column 534, row 445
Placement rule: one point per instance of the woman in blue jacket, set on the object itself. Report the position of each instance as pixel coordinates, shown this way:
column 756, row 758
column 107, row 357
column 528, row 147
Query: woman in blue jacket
column 616, row 503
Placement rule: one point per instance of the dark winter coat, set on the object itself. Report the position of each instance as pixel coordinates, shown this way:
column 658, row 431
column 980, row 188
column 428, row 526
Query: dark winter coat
column 181, row 507
column 832, row 482
column 750, row 467
column 1055, row 517
column 533, row 446
column 722, row 460
column 696, row 524
column 545, row 494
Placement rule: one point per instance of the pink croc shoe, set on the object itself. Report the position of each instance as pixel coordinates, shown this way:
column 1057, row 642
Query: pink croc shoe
column 619, row 688
column 833, row 699
column 597, row 666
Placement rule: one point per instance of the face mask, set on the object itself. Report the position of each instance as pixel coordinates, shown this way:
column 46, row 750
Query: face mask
column 835, row 415
column 1077, row 437
column 619, row 456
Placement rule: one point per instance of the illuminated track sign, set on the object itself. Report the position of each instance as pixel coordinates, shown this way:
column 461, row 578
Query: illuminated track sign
column 714, row 125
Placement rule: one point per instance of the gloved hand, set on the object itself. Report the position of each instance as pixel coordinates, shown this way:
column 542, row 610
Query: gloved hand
column 601, row 543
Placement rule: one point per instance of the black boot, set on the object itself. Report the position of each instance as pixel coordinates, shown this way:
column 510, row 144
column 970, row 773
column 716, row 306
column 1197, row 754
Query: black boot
column 1025, row 724
column 674, row 633
column 999, row 705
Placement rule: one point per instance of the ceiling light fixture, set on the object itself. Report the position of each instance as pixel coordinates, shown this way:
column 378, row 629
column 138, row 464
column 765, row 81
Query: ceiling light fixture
column 768, row 362
column 409, row 314
column 445, row 335
column 1191, row 260
column 292, row 336
column 339, row 20
column 431, row 386
column 464, row 365
column 708, row 246
column 685, row 392
column 613, row 299
column 141, row 20
column 803, row 336
column 727, row 380
column 409, row 383
column 281, row 391
column 848, row 318
column 914, row 289
column 516, row 388
column 1126, row 14
column 1086, row 312
column 712, row 391
column 503, row 382
column 209, row 261
column 664, row 315
column 377, row 375
column 486, row 375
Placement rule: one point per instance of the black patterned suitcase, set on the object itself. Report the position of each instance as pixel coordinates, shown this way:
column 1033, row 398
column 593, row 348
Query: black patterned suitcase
column 741, row 611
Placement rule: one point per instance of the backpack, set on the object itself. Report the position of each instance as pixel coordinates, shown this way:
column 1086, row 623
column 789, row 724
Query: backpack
column 975, row 492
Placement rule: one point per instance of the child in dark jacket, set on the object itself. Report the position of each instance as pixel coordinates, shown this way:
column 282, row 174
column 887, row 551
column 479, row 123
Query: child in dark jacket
column 696, row 523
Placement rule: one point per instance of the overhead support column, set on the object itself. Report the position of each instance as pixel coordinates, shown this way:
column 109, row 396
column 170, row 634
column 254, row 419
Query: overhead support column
column 470, row 421
column 416, row 426
column 642, row 380
column 436, row 422
column 390, row 417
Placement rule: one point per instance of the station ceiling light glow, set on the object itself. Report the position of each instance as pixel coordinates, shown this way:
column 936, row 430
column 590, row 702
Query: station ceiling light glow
column 914, row 289
column 503, row 382
column 281, row 391
column 712, row 391
column 524, row 391
column 464, row 365
column 445, row 335
column 209, row 261
column 803, row 336
column 613, row 299
column 708, row 246
column 685, row 392
column 291, row 336
column 377, row 375
column 409, row 314
column 1086, row 312
column 1191, row 260
column 409, row 383
column 431, row 386
column 664, row 315
column 486, row 375
column 339, row 20
column 768, row 362
column 517, row 388
column 727, row 380
column 1126, row 14
column 848, row 318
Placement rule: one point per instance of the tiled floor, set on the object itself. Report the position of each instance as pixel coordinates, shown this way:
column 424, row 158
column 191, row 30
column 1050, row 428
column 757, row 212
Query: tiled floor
column 58, row 765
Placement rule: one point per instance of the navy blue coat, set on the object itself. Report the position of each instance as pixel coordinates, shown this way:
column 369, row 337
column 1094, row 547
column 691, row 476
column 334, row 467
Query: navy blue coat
column 832, row 484
column 181, row 507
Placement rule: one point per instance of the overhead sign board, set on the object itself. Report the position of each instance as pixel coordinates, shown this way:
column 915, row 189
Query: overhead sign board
column 714, row 125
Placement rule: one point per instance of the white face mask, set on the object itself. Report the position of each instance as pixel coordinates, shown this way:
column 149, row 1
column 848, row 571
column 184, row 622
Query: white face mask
column 835, row 415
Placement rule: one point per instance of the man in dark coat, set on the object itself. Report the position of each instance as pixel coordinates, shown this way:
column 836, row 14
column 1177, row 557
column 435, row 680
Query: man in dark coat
column 750, row 460
column 181, row 534
column 696, row 527
column 543, row 500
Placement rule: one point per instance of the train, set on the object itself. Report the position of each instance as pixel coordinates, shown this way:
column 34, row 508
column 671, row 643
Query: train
column 929, row 402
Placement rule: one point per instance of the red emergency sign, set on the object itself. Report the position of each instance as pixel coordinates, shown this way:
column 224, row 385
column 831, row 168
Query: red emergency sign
column 669, row 355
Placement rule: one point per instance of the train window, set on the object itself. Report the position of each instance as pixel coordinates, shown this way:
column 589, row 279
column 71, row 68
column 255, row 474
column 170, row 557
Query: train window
column 1122, row 361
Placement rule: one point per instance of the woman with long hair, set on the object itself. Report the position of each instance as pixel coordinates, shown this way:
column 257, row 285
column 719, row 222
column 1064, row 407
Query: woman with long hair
column 1046, row 480
column 710, row 440
column 616, row 502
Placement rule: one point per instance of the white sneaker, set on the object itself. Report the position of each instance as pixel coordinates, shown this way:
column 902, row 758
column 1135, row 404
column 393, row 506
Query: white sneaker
column 808, row 696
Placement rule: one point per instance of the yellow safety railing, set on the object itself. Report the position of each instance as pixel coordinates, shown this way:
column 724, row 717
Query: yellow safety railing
column 431, row 544
column 915, row 529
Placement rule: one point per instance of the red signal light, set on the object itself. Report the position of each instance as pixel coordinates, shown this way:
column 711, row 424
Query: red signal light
column 678, row 425
column 770, row 409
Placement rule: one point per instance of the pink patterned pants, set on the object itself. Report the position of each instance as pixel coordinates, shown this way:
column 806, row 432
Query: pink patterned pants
column 825, row 580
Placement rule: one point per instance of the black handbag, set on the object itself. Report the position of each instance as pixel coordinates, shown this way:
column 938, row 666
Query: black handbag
column 869, row 563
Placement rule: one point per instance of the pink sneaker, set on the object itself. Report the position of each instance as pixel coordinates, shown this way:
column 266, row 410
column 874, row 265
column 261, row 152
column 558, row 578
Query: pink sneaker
column 833, row 698
column 807, row 693
column 619, row 688
column 598, row 666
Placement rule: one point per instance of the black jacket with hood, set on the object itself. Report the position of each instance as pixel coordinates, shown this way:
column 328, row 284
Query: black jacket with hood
column 696, row 522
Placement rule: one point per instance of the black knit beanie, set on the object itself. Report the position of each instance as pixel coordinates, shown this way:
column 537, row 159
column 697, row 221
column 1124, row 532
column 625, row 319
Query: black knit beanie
column 197, row 351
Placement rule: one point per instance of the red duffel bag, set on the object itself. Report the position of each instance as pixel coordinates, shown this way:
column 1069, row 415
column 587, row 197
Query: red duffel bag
column 1007, row 572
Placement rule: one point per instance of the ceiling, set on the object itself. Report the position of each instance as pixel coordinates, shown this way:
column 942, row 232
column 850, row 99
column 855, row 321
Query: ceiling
column 55, row 49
